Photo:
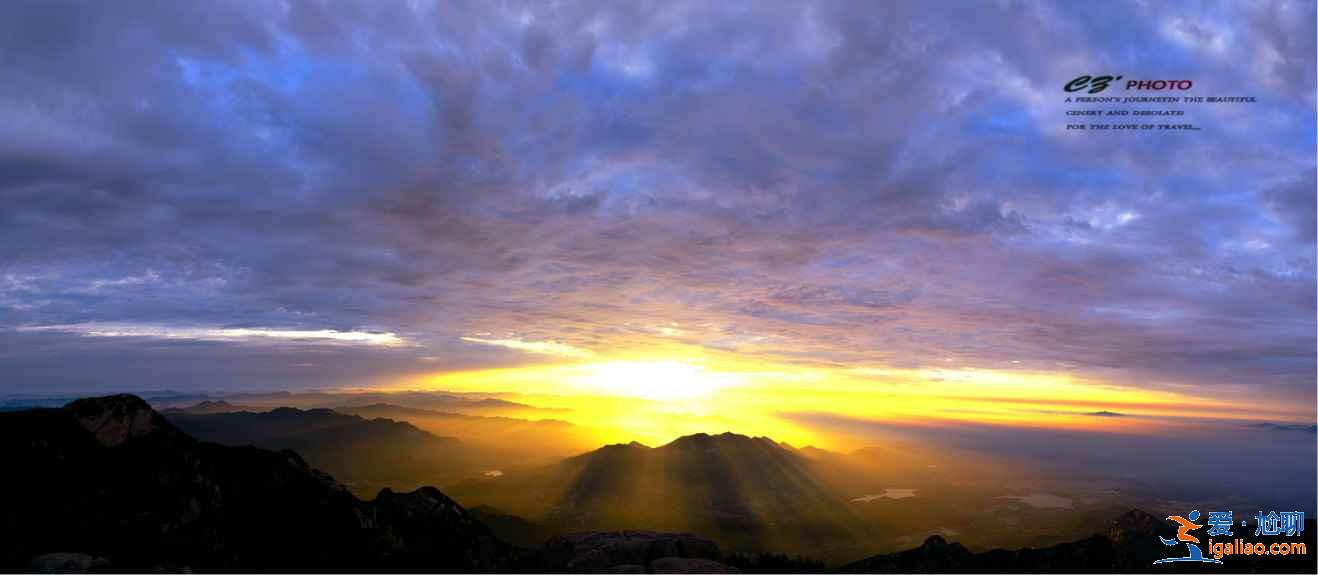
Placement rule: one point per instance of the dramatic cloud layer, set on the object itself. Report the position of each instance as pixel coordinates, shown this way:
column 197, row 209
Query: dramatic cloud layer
column 255, row 188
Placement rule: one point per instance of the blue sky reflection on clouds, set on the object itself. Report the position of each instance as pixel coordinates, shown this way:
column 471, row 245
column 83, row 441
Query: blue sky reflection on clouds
column 480, row 185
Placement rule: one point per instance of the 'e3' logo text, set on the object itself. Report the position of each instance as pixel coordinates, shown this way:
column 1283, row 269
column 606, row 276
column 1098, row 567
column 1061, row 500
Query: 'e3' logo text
column 1095, row 84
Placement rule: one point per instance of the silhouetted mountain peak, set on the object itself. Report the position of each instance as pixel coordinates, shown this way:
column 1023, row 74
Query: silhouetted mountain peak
column 705, row 440
column 935, row 555
column 382, row 405
column 425, row 496
column 315, row 411
column 615, row 448
column 425, row 514
column 939, row 545
column 1133, row 525
column 114, row 419
column 209, row 406
column 749, row 493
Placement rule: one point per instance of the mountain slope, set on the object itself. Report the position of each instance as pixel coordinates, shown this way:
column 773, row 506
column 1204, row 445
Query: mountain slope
column 204, row 407
column 749, row 494
column 517, row 441
column 109, row 478
column 438, row 400
column 367, row 454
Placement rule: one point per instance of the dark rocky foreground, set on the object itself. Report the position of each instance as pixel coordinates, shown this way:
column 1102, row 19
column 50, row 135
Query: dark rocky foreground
column 632, row 552
column 107, row 484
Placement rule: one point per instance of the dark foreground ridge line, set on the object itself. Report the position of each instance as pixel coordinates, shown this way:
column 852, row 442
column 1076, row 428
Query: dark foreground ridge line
column 108, row 484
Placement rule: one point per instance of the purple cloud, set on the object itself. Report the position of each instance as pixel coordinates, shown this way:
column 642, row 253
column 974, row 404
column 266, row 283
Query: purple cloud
column 839, row 183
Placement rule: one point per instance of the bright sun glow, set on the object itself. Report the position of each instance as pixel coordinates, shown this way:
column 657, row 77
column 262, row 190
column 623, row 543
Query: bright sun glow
column 656, row 399
column 657, row 380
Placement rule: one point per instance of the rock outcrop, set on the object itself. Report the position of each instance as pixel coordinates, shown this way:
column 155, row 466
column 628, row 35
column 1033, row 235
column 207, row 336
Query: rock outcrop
column 632, row 552
column 115, row 419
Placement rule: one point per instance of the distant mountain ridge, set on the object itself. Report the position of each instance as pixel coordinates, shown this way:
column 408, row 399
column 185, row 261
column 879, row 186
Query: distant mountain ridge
column 1311, row 429
column 381, row 409
column 299, row 428
column 446, row 401
column 369, row 454
column 208, row 406
column 530, row 439
column 259, row 401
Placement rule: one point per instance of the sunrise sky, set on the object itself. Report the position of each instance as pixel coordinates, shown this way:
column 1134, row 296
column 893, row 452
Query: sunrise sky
column 667, row 217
